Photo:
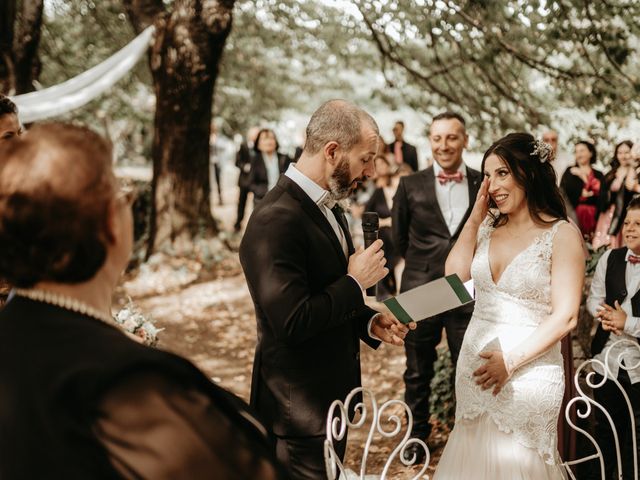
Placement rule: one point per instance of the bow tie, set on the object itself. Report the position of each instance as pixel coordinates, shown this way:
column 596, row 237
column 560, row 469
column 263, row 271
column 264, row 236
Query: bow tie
column 633, row 259
column 444, row 177
column 327, row 201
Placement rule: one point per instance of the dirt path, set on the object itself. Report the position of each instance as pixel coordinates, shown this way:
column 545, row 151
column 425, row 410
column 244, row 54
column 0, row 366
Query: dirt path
column 213, row 324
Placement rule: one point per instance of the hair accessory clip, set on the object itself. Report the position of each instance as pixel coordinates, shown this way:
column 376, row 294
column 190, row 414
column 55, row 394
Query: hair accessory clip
column 543, row 151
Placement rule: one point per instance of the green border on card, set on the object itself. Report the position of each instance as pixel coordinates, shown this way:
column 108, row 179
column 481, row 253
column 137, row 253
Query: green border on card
column 459, row 288
column 400, row 313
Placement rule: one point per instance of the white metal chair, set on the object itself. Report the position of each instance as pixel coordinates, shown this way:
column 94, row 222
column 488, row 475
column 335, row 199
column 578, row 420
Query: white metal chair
column 587, row 402
column 338, row 423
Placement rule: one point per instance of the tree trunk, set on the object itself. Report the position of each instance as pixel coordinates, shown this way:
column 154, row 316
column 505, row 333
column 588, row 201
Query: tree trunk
column 19, row 62
column 7, row 22
column 184, row 63
column 26, row 60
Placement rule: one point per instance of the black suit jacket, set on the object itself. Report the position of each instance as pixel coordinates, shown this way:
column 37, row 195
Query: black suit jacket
column 258, row 178
column 573, row 185
column 409, row 154
column 243, row 162
column 420, row 233
column 57, row 365
column 310, row 314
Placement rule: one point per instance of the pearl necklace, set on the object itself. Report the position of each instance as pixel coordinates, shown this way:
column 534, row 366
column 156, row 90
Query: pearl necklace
column 65, row 302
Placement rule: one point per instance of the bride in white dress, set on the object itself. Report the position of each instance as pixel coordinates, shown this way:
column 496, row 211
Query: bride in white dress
column 527, row 264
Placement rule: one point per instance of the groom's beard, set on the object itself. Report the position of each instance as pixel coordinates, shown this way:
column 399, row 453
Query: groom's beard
column 340, row 183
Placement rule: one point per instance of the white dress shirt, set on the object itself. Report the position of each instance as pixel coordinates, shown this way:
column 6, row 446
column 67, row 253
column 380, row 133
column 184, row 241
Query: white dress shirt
column 453, row 197
column 597, row 295
column 273, row 169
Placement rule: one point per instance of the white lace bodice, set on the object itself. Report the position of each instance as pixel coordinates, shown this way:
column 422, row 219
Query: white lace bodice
column 505, row 314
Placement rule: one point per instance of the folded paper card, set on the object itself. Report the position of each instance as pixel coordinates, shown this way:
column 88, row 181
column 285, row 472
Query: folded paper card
column 430, row 299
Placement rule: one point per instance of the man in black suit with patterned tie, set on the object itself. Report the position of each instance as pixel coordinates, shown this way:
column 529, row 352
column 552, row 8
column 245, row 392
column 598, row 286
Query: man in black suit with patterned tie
column 429, row 210
column 306, row 281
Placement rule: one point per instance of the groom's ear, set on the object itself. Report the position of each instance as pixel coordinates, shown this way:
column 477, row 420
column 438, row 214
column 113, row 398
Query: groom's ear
column 331, row 150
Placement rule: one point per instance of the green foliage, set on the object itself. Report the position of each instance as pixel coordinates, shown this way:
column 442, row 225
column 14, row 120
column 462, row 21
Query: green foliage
column 79, row 34
column 287, row 55
column 508, row 64
column 442, row 402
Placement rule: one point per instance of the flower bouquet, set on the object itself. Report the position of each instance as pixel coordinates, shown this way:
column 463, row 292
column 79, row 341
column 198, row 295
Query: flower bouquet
column 132, row 320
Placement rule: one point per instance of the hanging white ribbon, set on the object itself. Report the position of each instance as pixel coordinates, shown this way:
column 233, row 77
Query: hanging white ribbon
column 83, row 88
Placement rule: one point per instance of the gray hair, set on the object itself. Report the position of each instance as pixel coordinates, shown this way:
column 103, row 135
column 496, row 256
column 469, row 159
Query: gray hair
column 337, row 121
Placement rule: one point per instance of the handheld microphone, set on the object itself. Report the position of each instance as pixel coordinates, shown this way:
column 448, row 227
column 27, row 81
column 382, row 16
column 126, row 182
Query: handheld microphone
column 370, row 226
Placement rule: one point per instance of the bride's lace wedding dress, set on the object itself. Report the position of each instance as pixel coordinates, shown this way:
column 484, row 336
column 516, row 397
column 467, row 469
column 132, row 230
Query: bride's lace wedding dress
column 513, row 435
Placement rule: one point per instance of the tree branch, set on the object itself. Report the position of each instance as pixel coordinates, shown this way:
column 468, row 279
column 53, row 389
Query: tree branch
column 540, row 65
column 604, row 48
column 143, row 13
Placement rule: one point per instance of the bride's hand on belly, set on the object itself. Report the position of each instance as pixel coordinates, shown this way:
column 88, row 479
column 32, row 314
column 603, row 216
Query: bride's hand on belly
column 493, row 373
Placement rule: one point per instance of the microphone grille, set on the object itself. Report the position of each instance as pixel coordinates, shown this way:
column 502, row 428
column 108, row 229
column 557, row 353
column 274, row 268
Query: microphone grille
column 370, row 221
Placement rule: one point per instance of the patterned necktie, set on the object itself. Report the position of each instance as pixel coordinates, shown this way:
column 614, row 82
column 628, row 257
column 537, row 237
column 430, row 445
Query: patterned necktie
column 445, row 178
column 633, row 259
column 397, row 152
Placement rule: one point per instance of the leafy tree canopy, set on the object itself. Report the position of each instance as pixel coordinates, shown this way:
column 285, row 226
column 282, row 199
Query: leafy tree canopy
column 510, row 64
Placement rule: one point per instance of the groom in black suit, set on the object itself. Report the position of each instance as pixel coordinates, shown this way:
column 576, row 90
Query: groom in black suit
column 429, row 210
column 306, row 281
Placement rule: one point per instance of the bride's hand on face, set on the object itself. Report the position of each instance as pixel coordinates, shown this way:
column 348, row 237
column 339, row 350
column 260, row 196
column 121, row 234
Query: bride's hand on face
column 481, row 207
column 493, row 373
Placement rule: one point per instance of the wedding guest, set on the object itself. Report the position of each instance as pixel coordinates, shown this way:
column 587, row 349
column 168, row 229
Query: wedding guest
column 381, row 202
column 550, row 137
column 559, row 163
column 585, row 188
column 80, row 399
column 9, row 123
column 403, row 152
column 561, row 160
column 9, row 128
column 622, row 181
column 429, row 211
column 214, row 161
column 243, row 162
column 266, row 164
column 383, row 171
column 614, row 300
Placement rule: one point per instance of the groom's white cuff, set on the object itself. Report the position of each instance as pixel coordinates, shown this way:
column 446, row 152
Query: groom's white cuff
column 369, row 327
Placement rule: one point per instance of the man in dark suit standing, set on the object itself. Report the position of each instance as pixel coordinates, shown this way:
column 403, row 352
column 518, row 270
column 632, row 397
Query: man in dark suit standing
column 243, row 162
column 306, row 282
column 429, row 210
column 403, row 152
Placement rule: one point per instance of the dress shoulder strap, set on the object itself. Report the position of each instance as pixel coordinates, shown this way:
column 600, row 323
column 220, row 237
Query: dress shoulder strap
column 549, row 235
column 485, row 229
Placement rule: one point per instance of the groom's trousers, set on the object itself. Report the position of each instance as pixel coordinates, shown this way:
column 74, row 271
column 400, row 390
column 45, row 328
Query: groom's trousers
column 303, row 457
column 420, row 347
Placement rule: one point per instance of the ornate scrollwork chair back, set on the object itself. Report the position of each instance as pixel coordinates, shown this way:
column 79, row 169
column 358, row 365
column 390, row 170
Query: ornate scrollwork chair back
column 384, row 421
column 585, row 404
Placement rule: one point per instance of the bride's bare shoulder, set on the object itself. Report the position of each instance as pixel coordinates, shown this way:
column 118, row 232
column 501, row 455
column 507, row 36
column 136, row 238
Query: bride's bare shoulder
column 569, row 239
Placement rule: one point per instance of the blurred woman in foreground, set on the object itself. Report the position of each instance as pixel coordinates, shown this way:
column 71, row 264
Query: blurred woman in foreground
column 80, row 399
column 9, row 128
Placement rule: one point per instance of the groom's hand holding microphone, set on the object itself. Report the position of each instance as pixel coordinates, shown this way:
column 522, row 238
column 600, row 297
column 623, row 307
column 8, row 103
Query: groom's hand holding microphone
column 367, row 266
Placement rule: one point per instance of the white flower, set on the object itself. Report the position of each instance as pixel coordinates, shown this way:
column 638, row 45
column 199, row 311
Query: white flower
column 543, row 151
column 132, row 320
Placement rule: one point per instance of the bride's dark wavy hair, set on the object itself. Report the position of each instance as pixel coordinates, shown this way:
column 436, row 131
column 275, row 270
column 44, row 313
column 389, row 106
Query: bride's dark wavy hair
column 536, row 177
